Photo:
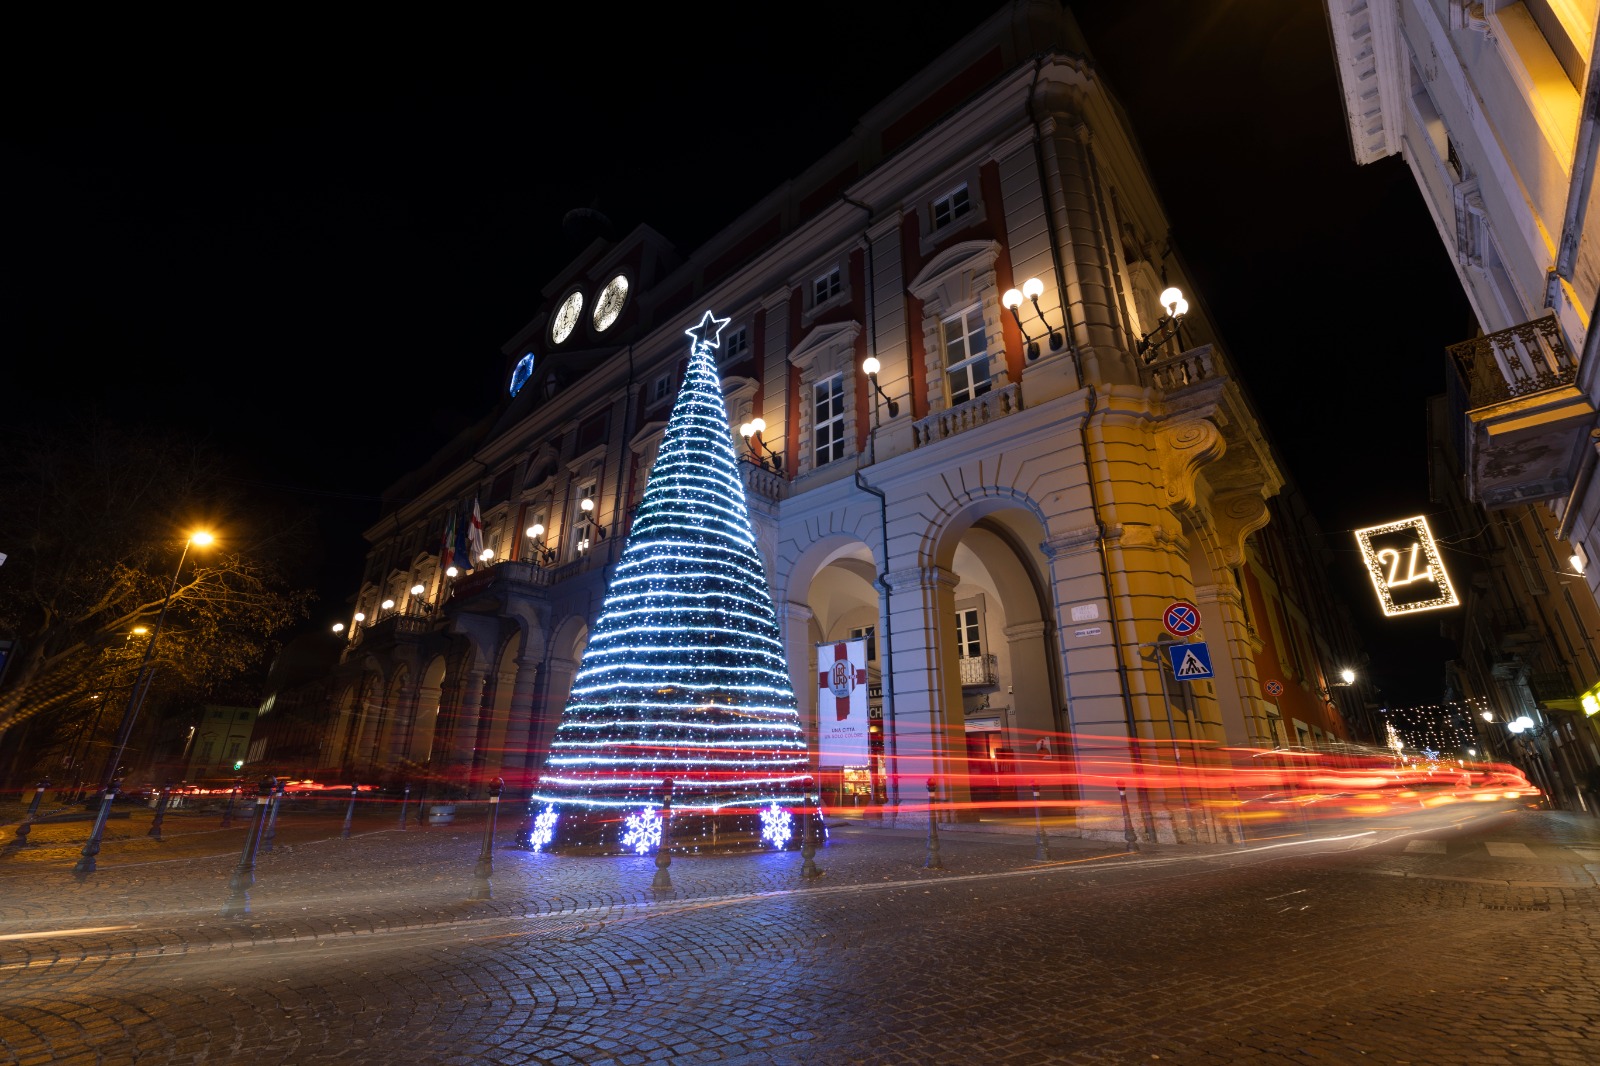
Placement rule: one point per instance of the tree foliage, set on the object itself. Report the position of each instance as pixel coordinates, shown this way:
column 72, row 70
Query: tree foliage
column 95, row 519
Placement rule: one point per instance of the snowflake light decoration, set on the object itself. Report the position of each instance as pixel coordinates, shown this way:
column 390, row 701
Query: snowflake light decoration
column 643, row 831
column 544, row 828
column 777, row 826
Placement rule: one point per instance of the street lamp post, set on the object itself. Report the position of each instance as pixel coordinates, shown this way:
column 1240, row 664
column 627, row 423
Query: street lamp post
column 141, row 682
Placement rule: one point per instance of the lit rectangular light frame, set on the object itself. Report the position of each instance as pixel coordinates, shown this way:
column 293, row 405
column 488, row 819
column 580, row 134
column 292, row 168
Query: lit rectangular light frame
column 1430, row 551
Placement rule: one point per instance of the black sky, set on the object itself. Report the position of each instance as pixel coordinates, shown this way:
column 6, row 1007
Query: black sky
column 308, row 242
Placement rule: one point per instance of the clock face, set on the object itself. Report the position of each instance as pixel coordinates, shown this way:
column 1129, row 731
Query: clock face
column 609, row 305
column 520, row 376
column 566, row 317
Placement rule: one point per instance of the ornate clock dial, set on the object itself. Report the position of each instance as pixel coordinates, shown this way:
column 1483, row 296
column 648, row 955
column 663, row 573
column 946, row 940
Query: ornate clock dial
column 566, row 317
column 609, row 304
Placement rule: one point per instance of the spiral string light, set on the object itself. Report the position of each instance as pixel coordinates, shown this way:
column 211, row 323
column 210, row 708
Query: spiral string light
column 684, row 677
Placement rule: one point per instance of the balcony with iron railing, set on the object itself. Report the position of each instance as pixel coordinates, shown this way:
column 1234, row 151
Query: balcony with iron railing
column 1526, row 415
column 979, row 671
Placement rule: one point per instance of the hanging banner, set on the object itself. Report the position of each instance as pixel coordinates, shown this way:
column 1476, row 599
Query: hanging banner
column 843, row 724
column 1406, row 569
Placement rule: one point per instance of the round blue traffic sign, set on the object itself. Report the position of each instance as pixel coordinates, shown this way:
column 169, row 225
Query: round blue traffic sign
column 1181, row 618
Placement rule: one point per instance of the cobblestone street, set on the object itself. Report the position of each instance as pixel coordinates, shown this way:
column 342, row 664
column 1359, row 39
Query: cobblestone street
column 1415, row 943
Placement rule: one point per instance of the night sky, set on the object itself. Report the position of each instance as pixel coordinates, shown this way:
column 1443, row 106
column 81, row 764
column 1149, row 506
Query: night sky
column 306, row 243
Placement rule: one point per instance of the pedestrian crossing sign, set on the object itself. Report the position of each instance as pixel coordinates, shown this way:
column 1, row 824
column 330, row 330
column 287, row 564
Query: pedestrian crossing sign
column 1190, row 662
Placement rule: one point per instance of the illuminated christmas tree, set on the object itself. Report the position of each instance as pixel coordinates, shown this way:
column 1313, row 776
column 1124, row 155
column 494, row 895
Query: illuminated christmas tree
column 684, row 677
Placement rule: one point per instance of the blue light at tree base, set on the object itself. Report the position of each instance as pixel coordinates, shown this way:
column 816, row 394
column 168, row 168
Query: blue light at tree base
column 684, row 677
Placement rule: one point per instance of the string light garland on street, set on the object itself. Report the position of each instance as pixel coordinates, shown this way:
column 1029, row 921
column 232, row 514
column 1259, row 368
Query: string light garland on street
column 684, row 676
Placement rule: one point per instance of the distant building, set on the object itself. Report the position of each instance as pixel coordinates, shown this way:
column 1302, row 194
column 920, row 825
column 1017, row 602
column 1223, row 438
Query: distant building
column 221, row 739
column 1004, row 513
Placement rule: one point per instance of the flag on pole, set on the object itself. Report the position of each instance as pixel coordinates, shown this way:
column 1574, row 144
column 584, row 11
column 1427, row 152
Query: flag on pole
column 447, row 545
column 475, row 533
column 464, row 561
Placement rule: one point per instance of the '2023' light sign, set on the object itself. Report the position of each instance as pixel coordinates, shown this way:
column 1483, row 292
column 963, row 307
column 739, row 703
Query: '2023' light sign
column 1405, row 567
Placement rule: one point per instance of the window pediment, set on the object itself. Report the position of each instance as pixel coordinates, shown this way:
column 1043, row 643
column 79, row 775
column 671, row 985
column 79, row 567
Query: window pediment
column 947, row 279
column 826, row 338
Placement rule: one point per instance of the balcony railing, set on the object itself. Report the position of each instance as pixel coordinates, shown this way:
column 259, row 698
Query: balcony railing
column 759, row 481
column 997, row 403
column 1515, row 362
column 506, row 573
column 979, row 670
column 1175, row 371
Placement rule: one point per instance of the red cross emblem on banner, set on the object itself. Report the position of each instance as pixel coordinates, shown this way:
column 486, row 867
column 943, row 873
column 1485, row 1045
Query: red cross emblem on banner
column 841, row 681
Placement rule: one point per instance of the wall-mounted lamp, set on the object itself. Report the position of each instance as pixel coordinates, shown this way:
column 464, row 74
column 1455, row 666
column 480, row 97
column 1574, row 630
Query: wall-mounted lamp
column 546, row 553
column 417, row 602
column 387, row 605
column 751, row 432
column 1176, row 307
column 586, row 505
column 1520, row 724
column 360, row 617
column 485, row 555
column 1031, row 290
column 338, row 627
column 870, row 367
column 1487, row 716
column 451, row 571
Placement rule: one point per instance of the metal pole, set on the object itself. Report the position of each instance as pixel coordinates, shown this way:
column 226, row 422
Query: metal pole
column 227, row 808
column 933, row 861
column 1041, row 847
column 91, row 848
column 26, row 826
column 1128, row 834
column 662, row 882
column 405, row 801
column 808, row 841
column 481, row 873
column 1177, row 755
column 271, row 831
column 141, row 682
column 244, row 874
column 161, row 811
column 349, row 813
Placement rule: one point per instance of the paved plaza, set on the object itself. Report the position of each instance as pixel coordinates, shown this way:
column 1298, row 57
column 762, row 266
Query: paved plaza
column 1458, row 936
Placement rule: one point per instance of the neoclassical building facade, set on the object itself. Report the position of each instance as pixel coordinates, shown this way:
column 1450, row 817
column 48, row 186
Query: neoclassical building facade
column 1003, row 511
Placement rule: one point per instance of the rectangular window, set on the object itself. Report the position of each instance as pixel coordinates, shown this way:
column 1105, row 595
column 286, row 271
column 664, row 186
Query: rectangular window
column 969, row 638
column 948, row 208
column 661, row 389
column 735, row 344
column 966, row 356
column 206, row 749
column 583, row 520
column 593, row 431
column 827, row 420
column 826, row 287
column 870, row 635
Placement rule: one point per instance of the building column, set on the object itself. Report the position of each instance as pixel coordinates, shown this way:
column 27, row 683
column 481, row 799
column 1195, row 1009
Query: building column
column 1032, row 706
column 461, row 702
column 553, row 688
column 522, row 760
column 802, row 656
column 929, row 727
column 1244, row 712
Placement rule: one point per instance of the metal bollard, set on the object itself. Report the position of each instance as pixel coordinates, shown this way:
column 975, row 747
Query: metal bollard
column 161, row 811
column 481, row 873
column 663, row 879
column 271, row 831
column 933, row 861
column 91, row 848
column 405, row 801
column 244, row 874
column 349, row 813
column 26, row 825
column 227, row 808
column 808, row 840
column 1041, row 845
column 1128, row 834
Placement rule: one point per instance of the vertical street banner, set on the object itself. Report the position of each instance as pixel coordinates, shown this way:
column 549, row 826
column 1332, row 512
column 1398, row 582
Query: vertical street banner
column 843, row 724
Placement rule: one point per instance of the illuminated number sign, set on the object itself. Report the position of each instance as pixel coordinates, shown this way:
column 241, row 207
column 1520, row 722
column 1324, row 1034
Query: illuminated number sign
column 1405, row 567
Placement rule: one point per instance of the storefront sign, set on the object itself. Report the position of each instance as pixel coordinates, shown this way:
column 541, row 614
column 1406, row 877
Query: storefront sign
column 1590, row 701
column 843, row 722
column 1405, row 567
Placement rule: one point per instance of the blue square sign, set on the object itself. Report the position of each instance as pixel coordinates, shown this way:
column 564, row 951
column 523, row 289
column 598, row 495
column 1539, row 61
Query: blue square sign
column 1190, row 662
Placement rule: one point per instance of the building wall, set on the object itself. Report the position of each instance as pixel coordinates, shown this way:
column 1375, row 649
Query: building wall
column 1058, row 497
